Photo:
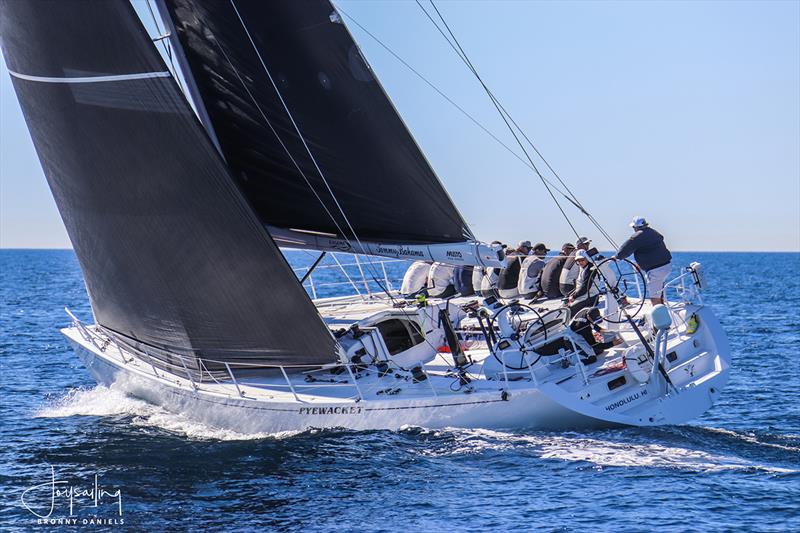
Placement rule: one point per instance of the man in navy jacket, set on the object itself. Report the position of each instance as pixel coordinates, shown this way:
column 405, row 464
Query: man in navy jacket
column 652, row 256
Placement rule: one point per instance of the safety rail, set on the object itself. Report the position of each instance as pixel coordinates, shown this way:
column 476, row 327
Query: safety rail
column 687, row 288
column 351, row 375
column 364, row 284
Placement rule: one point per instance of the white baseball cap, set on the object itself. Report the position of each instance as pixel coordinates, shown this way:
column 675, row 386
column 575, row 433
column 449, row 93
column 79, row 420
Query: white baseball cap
column 583, row 254
column 638, row 222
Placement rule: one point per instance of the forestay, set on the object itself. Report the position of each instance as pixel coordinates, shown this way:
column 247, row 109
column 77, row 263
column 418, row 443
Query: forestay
column 174, row 258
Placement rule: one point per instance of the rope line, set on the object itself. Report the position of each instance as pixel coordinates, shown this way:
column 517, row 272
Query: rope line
column 462, row 54
column 447, row 98
column 311, row 155
column 572, row 198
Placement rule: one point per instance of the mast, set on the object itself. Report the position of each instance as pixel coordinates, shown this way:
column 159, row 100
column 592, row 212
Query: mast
column 191, row 85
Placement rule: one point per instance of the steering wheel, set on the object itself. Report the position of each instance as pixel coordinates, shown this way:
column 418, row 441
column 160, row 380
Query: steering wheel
column 625, row 271
column 515, row 323
column 538, row 335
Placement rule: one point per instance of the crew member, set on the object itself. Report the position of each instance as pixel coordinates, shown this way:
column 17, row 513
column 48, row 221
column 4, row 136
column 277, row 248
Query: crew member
column 570, row 271
column 440, row 280
column 551, row 273
column 530, row 273
column 587, row 289
column 462, row 279
column 652, row 256
column 477, row 278
column 508, row 277
column 415, row 278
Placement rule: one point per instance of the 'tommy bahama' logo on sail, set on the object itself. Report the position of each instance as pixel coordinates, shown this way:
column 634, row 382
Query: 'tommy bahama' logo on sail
column 385, row 250
column 398, row 252
column 410, row 252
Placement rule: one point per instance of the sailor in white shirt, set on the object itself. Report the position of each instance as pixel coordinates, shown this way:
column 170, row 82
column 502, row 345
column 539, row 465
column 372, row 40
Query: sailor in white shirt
column 530, row 275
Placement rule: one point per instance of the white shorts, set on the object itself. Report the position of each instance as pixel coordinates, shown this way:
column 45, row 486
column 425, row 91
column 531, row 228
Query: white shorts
column 656, row 279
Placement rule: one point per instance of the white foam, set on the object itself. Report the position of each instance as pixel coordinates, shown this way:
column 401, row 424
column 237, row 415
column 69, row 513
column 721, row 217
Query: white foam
column 751, row 438
column 106, row 402
column 604, row 453
column 97, row 401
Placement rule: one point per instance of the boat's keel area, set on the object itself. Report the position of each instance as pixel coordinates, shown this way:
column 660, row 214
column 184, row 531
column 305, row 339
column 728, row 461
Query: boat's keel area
column 400, row 372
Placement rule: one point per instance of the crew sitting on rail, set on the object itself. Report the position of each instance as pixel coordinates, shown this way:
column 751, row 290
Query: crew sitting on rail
column 569, row 273
column 587, row 284
column 415, row 279
column 440, row 280
column 652, row 256
column 486, row 285
column 508, row 279
column 462, row 279
column 551, row 272
column 530, row 273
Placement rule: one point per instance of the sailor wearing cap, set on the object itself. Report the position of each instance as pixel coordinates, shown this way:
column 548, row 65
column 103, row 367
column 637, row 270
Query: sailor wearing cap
column 530, row 273
column 587, row 288
column 651, row 254
column 552, row 272
column 570, row 271
column 508, row 278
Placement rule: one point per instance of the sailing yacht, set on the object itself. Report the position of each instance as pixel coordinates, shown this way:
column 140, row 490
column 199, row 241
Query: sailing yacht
column 178, row 192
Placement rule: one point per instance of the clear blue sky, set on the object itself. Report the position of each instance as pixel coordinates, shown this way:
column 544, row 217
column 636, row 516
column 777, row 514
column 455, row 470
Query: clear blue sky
column 685, row 112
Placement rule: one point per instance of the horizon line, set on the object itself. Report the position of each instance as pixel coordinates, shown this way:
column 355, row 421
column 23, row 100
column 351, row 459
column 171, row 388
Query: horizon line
column 797, row 251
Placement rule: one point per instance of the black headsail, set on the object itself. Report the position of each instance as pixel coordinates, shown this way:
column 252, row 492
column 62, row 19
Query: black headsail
column 308, row 131
column 173, row 256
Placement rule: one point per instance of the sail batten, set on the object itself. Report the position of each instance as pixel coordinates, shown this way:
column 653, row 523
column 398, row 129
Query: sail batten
column 173, row 256
column 311, row 137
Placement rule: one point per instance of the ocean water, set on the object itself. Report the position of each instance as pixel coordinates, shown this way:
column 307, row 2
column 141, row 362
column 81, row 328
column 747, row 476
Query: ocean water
column 735, row 469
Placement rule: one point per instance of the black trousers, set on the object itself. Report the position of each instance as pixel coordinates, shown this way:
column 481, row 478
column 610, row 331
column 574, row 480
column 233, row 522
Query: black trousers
column 588, row 302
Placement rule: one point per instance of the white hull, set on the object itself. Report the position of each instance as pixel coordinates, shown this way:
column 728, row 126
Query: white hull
column 698, row 377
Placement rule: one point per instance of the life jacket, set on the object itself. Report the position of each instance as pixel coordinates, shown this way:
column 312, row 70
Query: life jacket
column 569, row 273
column 440, row 279
column 530, row 274
column 415, row 278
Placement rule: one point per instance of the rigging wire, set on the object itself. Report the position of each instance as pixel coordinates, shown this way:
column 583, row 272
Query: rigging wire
column 447, row 98
column 370, row 262
column 458, row 49
column 277, row 136
column 166, row 45
column 311, row 155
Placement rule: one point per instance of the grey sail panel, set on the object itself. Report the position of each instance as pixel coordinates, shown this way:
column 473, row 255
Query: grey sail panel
column 173, row 256
column 377, row 173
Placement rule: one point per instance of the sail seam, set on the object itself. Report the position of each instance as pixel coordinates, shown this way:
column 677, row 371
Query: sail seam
column 92, row 79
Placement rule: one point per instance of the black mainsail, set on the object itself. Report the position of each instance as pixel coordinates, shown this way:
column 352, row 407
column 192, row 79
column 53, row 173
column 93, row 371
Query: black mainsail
column 174, row 258
column 306, row 128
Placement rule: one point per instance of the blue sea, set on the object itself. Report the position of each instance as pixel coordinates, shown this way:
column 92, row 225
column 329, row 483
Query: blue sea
column 735, row 469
